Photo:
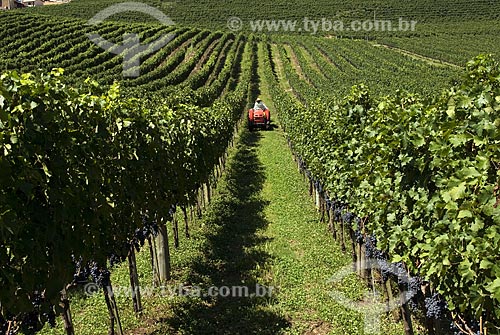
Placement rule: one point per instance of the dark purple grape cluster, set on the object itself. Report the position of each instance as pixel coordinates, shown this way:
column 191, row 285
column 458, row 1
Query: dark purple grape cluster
column 399, row 271
column 82, row 271
column 172, row 210
column 50, row 316
column 415, row 284
column 414, row 293
column 385, row 268
column 337, row 214
column 149, row 228
column 435, row 307
column 100, row 276
column 370, row 246
column 30, row 323
column 348, row 217
column 329, row 203
column 36, row 300
column 338, row 208
column 372, row 252
column 358, row 236
column 308, row 174
column 412, row 305
column 473, row 325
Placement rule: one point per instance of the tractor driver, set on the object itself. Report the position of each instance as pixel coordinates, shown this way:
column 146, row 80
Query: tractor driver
column 259, row 105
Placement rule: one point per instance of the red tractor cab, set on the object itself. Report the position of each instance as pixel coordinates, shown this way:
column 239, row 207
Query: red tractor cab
column 258, row 118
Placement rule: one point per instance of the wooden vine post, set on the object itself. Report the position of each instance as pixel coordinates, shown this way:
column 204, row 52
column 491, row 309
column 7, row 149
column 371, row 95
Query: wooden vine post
column 206, row 192
column 134, row 281
column 114, row 316
column 66, row 313
column 405, row 311
column 161, row 256
column 175, row 228
column 186, row 221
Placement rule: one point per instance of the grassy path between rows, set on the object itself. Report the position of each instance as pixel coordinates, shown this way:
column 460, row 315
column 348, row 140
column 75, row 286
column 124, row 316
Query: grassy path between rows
column 262, row 229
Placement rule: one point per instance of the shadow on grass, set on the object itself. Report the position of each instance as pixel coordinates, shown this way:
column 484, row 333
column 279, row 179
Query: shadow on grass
column 230, row 256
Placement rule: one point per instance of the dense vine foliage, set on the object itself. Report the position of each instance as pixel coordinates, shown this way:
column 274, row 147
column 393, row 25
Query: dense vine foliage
column 424, row 174
column 214, row 14
column 81, row 167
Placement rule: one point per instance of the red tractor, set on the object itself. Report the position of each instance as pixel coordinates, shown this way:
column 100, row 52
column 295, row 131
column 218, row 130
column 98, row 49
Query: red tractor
column 259, row 118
